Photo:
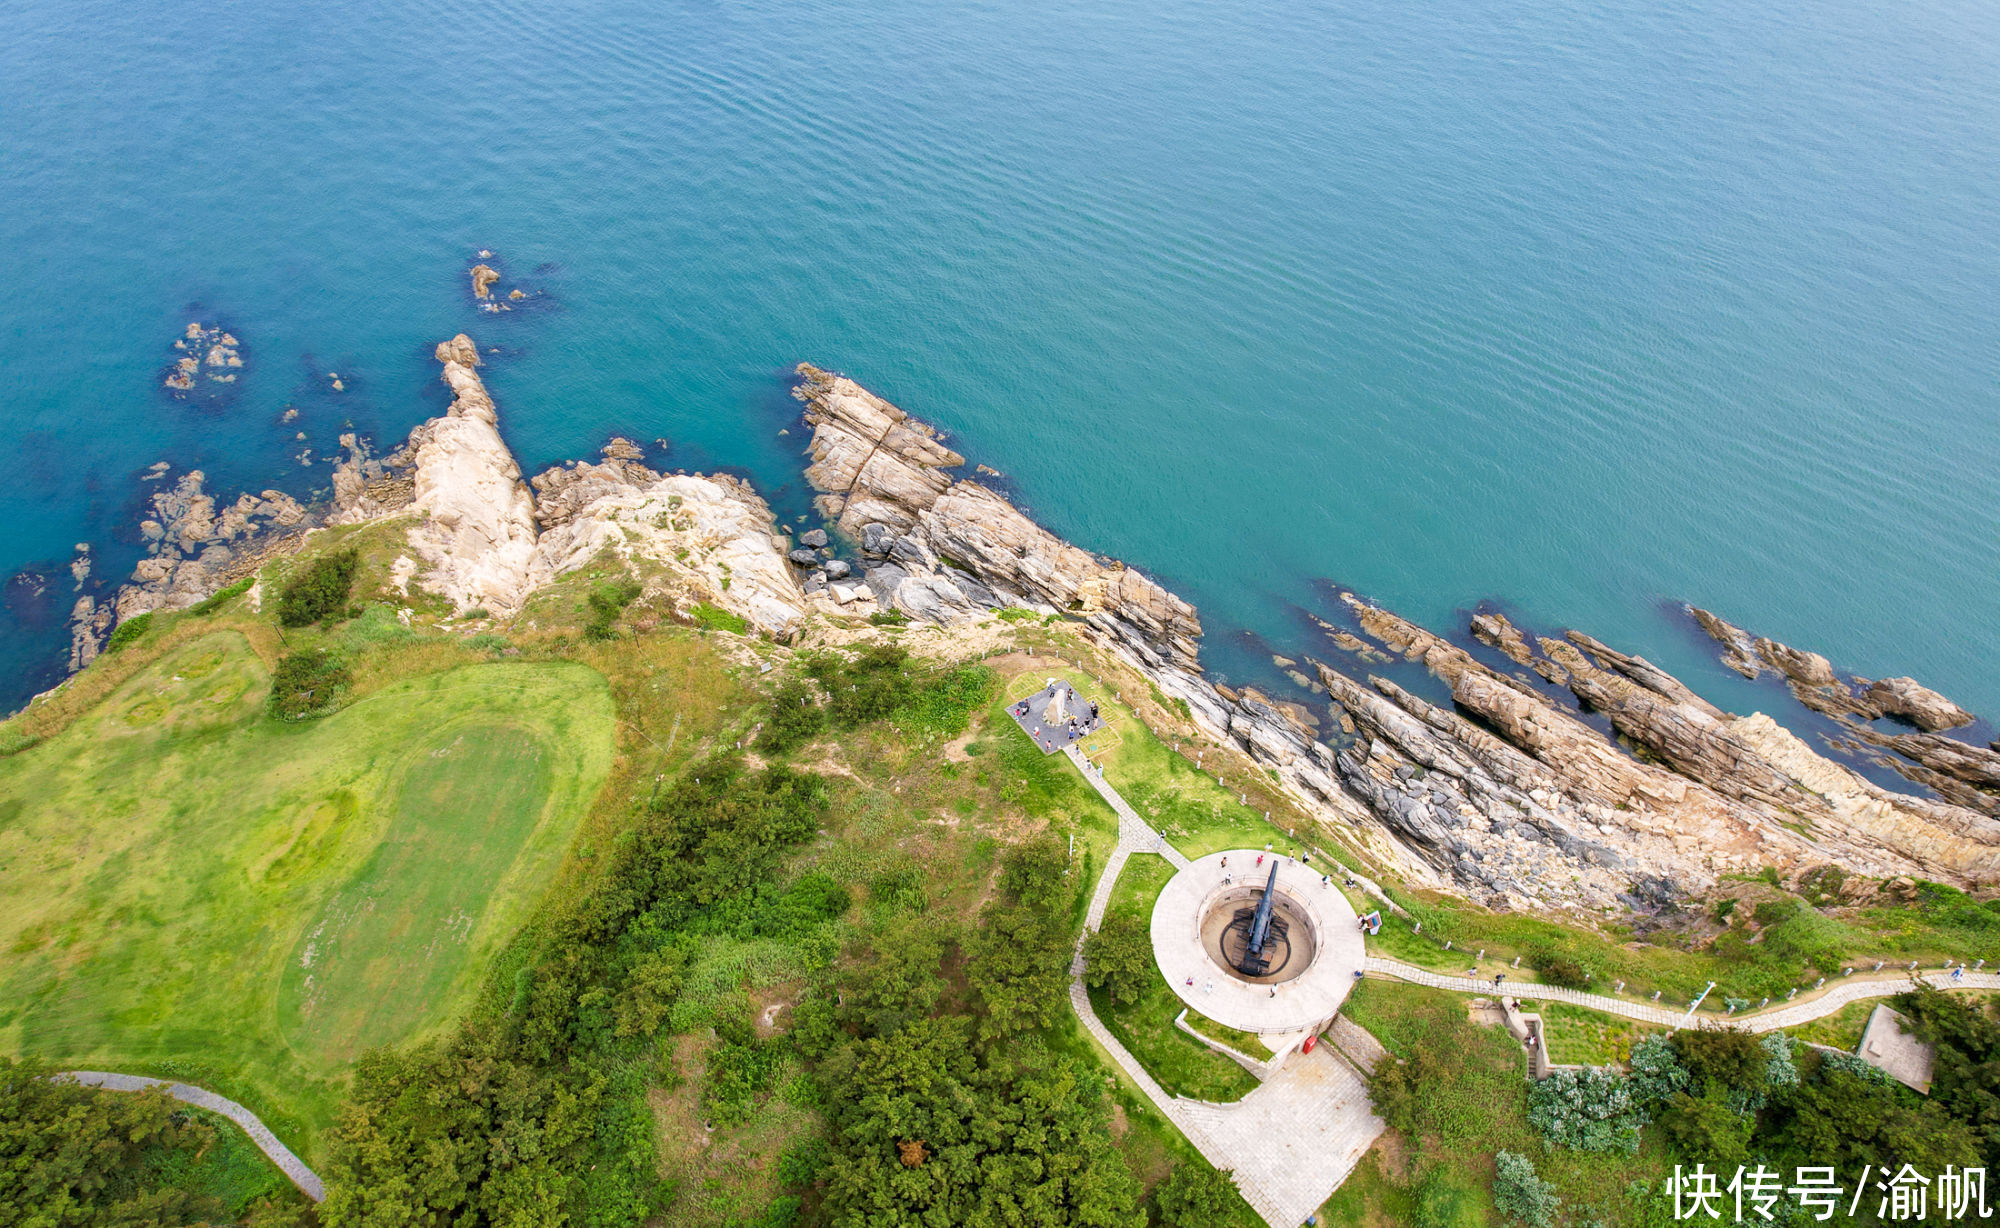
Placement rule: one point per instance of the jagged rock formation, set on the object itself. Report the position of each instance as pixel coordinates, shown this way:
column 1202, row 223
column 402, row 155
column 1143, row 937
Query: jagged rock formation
column 1916, row 703
column 1743, row 791
column 713, row 534
column 1965, row 774
column 478, row 532
column 206, row 353
column 192, row 547
column 484, row 541
column 1508, row 793
column 942, row 550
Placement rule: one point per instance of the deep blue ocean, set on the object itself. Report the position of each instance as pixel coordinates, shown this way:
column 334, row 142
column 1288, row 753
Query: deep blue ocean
column 1582, row 308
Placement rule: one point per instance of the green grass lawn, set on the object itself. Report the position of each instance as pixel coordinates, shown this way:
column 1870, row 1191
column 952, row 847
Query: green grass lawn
column 1588, row 1038
column 1246, row 1043
column 1181, row 1064
column 1478, row 1109
column 1842, row 1029
column 188, row 888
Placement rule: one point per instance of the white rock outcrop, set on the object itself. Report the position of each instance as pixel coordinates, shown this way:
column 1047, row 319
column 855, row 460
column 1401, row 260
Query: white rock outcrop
column 478, row 533
column 712, row 533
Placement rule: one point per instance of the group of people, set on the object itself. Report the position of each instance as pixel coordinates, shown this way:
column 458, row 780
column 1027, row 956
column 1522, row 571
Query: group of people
column 1075, row 724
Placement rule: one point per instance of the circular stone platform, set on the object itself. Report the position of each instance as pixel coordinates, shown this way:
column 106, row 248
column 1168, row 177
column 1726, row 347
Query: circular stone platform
column 1310, row 969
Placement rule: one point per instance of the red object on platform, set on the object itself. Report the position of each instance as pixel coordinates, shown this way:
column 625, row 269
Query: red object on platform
column 1310, row 1042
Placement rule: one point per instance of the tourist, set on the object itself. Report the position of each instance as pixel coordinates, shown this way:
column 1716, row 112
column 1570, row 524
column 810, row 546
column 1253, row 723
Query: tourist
column 1325, row 879
column 1260, row 861
column 1225, row 861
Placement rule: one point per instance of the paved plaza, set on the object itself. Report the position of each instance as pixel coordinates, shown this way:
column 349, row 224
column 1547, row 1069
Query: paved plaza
column 1290, row 1143
column 1056, row 717
column 1301, row 1004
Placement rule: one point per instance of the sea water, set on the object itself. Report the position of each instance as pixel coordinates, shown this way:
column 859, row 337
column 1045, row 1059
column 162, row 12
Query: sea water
column 1584, row 308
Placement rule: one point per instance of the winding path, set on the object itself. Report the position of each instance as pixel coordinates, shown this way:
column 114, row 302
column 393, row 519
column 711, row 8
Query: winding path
column 308, row 1182
column 1842, row 993
column 1288, row 1144
column 1291, row 1142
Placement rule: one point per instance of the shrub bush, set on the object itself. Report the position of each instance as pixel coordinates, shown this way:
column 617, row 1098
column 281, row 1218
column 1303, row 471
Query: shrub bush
column 128, row 631
column 307, row 683
column 1587, row 1110
column 715, row 618
column 795, row 718
column 606, row 602
column 319, row 591
column 1558, row 969
column 216, row 600
column 1519, row 1193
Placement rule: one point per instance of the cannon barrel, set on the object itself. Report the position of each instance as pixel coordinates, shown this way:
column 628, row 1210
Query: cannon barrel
column 1260, row 926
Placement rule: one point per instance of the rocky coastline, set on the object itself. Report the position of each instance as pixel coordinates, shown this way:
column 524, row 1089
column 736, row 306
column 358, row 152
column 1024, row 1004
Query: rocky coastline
column 1513, row 794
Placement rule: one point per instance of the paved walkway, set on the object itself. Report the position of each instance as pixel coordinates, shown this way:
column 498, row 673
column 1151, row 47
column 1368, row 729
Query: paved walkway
column 1841, row 993
column 267, row 1142
column 1134, row 833
column 1288, row 1144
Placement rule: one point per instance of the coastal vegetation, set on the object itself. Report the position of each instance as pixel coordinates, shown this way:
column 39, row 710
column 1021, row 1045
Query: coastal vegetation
column 198, row 890
column 599, row 917
column 78, row 1157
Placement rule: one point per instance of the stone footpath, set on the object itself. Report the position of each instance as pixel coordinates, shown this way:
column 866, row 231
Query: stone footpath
column 1843, row 992
column 1289, row 1143
column 267, row 1142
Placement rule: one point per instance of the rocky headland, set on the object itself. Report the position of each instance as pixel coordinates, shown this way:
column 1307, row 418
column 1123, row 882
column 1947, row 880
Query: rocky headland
column 1509, row 793
column 1563, row 775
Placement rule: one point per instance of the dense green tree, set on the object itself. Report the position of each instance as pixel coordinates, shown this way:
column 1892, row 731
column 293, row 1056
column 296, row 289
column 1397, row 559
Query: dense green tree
column 927, row 1132
column 1707, row 1127
column 78, row 1157
column 1721, row 1058
column 900, row 982
column 1966, row 1075
column 1018, row 955
column 1118, row 958
column 1521, row 1194
column 319, row 590
column 1839, row 1115
column 1195, row 1195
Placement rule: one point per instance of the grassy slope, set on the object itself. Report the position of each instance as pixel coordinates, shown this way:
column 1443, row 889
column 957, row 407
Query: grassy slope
column 1181, row 1064
column 1481, row 1111
column 1589, row 1038
column 168, row 854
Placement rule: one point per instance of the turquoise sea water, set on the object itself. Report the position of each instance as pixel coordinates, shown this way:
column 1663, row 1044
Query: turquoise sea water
column 1580, row 307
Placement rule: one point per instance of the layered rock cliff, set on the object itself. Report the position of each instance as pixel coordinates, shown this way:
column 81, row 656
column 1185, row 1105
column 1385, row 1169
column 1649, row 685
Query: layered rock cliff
column 941, row 549
column 1965, row 774
column 1507, row 793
